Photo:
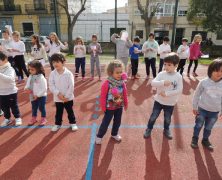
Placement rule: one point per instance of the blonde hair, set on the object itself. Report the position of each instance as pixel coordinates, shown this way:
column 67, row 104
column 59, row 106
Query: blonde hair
column 197, row 36
column 112, row 65
column 16, row 33
column 56, row 38
column 79, row 39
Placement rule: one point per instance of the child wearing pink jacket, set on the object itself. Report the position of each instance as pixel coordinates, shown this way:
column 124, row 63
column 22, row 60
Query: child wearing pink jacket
column 195, row 54
column 113, row 99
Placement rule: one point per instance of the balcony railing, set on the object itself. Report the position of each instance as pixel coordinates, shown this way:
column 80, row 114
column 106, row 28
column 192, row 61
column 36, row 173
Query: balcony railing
column 10, row 9
column 36, row 9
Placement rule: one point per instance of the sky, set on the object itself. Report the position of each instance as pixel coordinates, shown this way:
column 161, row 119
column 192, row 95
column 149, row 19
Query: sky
column 103, row 5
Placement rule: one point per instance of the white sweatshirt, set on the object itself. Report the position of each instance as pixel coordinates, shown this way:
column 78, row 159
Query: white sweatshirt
column 7, row 44
column 79, row 53
column 164, row 50
column 38, row 53
column 54, row 48
column 39, row 85
column 150, row 44
column 18, row 46
column 172, row 92
column 7, row 80
column 62, row 83
column 183, row 52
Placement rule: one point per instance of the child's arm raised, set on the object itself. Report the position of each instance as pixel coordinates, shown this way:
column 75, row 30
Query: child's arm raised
column 114, row 38
column 158, row 82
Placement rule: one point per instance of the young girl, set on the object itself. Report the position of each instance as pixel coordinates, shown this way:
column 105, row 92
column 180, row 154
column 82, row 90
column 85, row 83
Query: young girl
column 207, row 104
column 18, row 49
column 54, row 46
column 8, row 92
column 113, row 99
column 61, row 84
column 195, row 54
column 95, row 49
column 184, row 53
column 36, row 86
column 37, row 50
column 80, row 56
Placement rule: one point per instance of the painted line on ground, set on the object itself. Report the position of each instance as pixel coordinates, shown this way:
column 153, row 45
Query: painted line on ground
column 91, row 152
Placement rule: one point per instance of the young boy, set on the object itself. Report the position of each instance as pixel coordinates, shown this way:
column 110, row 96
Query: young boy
column 184, row 53
column 134, row 56
column 169, row 86
column 150, row 49
column 163, row 51
column 8, row 92
column 207, row 104
column 61, row 84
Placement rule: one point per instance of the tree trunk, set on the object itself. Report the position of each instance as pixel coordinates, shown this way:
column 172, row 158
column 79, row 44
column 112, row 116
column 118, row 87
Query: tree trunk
column 70, row 39
column 147, row 27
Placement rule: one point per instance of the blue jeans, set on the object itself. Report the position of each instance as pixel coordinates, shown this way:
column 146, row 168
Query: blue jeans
column 39, row 103
column 206, row 118
column 106, row 121
column 157, row 108
column 80, row 62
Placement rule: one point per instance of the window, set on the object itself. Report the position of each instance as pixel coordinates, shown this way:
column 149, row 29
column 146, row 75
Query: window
column 219, row 35
column 27, row 29
column 139, row 33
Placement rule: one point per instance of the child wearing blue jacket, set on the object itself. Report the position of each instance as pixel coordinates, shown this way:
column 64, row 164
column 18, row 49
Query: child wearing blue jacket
column 134, row 56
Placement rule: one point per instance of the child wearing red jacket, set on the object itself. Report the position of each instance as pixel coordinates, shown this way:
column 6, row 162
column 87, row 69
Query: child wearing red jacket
column 195, row 54
column 113, row 99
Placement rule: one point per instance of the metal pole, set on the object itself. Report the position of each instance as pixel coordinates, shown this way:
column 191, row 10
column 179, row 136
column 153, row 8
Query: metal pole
column 55, row 16
column 174, row 25
column 115, row 30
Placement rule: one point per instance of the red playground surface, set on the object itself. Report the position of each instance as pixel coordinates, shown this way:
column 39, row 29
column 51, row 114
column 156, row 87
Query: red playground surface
column 34, row 153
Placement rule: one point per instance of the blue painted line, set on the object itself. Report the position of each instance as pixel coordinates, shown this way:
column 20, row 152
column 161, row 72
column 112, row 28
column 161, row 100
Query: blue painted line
column 97, row 97
column 97, row 109
column 91, row 153
column 95, row 116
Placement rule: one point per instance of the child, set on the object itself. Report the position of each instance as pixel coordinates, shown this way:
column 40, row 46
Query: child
column 54, row 46
column 37, row 50
column 36, row 86
column 61, row 84
column 8, row 92
column 95, row 49
column 122, row 47
column 18, row 50
column 150, row 49
column 207, row 102
column 80, row 57
column 163, row 51
column 169, row 86
column 183, row 52
column 134, row 56
column 113, row 99
column 195, row 54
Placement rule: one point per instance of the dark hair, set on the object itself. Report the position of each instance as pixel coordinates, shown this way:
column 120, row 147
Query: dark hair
column 58, row 57
column 136, row 39
column 36, row 37
column 166, row 38
column 172, row 58
column 215, row 65
column 5, row 31
column 94, row 36
column 3, row 57
column 151, row 34
column 37, row 66
column 184, row 40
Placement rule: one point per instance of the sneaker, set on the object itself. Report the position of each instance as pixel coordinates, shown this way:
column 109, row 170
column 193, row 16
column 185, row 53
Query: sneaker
column 98, row 141
column 33, row 121
column 43, row 121
column 55, row 128
column 195, row 74
column 194, row 142
column 167, row 134
column 6, row 122
column 206, row 143
column 147, row 133
column 117, row 138
column 74, row 127
column 18, row 122
column 1, row 112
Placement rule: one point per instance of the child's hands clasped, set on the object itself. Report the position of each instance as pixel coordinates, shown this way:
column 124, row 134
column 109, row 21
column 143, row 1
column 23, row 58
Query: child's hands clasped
column 62, row 98
column 167, row 83
column 163, row 94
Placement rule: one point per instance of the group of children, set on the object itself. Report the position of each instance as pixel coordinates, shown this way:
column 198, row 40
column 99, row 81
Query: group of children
column 169, row 84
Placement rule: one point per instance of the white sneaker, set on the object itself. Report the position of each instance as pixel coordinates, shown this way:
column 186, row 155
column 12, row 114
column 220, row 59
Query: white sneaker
column 74, row 127
column 55, row 128
column 117, row 138
column 1, row 112
column 6, row 122
column 18, row 122
column 98, row 140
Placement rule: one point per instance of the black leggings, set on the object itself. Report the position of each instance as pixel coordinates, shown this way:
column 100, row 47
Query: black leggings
column 190, row 64
column 181, row 65
column 20, row 64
